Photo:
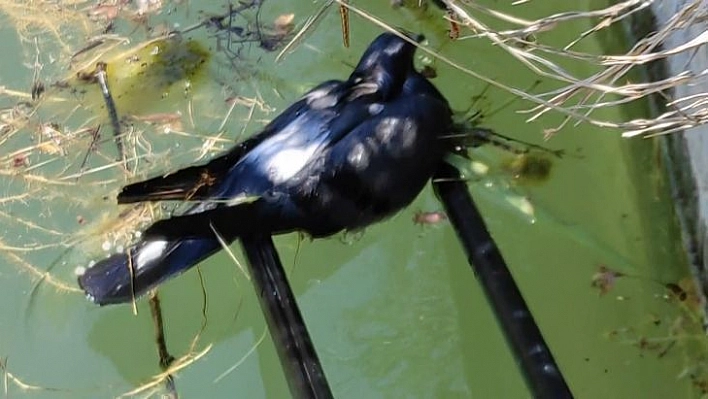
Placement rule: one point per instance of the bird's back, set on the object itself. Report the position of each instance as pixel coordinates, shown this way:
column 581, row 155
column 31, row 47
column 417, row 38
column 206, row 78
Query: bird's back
column 380, row 166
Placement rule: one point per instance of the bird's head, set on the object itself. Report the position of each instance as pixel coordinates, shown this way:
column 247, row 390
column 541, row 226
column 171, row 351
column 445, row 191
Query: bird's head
column 386, row 63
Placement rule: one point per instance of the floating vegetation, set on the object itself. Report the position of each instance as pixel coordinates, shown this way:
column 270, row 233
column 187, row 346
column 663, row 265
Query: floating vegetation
column 529, row 168
column 143, row 75
column 657, row 336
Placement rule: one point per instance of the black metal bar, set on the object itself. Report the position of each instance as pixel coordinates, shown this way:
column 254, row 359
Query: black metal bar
column 533, row 356
column 303, row 370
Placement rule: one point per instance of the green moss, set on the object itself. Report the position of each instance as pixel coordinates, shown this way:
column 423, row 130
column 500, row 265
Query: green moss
column 148, row 73
column 530, row 167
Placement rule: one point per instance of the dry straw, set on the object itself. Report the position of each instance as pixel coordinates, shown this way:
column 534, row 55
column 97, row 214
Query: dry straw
column 609, row 85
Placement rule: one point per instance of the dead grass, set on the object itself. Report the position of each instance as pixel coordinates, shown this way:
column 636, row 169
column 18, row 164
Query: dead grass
column 579, row 97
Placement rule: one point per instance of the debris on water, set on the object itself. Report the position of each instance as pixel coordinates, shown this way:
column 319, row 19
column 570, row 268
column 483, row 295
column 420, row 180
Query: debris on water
column 37, row 90
column 531, row 167
column 20, row 160
column 102, row 78
column 605, row 279
column 677, row 291
column 429, row 72
column 523, row 205
column 144, row 74
column 273, row 38
column 148, row 6
column 283, row 24
column 106, row 246
column 169, row 121
column 350, row 237
column 479, row 168
column 52, row 132
column 158, row 118
column 686, row 292
column 344, row 18
column 106, row 12
column 429, row 217
column 454, row 31
column 416, row 4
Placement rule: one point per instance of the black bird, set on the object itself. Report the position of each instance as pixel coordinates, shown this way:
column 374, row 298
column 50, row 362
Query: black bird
column 347, row 154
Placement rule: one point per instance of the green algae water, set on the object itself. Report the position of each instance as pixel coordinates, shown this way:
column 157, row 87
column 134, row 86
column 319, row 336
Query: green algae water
column 395, row 311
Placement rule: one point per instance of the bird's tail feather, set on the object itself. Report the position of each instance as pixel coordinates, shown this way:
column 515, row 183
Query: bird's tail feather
column 258, row 217
column 172, row 246
column 122, row 277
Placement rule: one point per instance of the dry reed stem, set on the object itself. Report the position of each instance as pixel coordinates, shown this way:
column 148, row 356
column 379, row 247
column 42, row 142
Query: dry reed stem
column 580, row 96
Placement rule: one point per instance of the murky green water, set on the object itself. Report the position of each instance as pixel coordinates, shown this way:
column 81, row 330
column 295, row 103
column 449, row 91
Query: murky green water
column 394, row 313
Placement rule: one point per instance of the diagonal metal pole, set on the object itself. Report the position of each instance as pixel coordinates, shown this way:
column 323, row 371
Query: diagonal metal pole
column 530, row 350
column 301, row 365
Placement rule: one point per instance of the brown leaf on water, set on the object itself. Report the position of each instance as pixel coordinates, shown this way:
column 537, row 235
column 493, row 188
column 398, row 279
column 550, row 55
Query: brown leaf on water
column 605, row 279
column 431, row 217
column 283, row 24
column 107, row 12
column 685, row 291
column 20, row 160
column 167, row 120
column 50, row 147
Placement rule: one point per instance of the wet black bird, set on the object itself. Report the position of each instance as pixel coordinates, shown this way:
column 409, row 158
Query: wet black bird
column 347, row 154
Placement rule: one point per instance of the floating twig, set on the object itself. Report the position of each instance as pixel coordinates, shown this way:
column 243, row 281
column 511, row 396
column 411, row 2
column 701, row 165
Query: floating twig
column 95, row 134
column 344, row 17
column 165, row 358
column 102, row 78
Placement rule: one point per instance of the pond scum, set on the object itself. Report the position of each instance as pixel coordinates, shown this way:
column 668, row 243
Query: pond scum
column 65, row 152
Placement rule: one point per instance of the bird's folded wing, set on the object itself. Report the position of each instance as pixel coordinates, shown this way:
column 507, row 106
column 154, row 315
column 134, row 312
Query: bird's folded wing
column 194, row 183
column 198, row 183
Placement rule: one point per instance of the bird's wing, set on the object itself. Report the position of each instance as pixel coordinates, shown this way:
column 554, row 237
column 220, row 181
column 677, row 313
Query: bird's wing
column 197, row 183
column 349, row 101
column 192, row 183
column 356, row 120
